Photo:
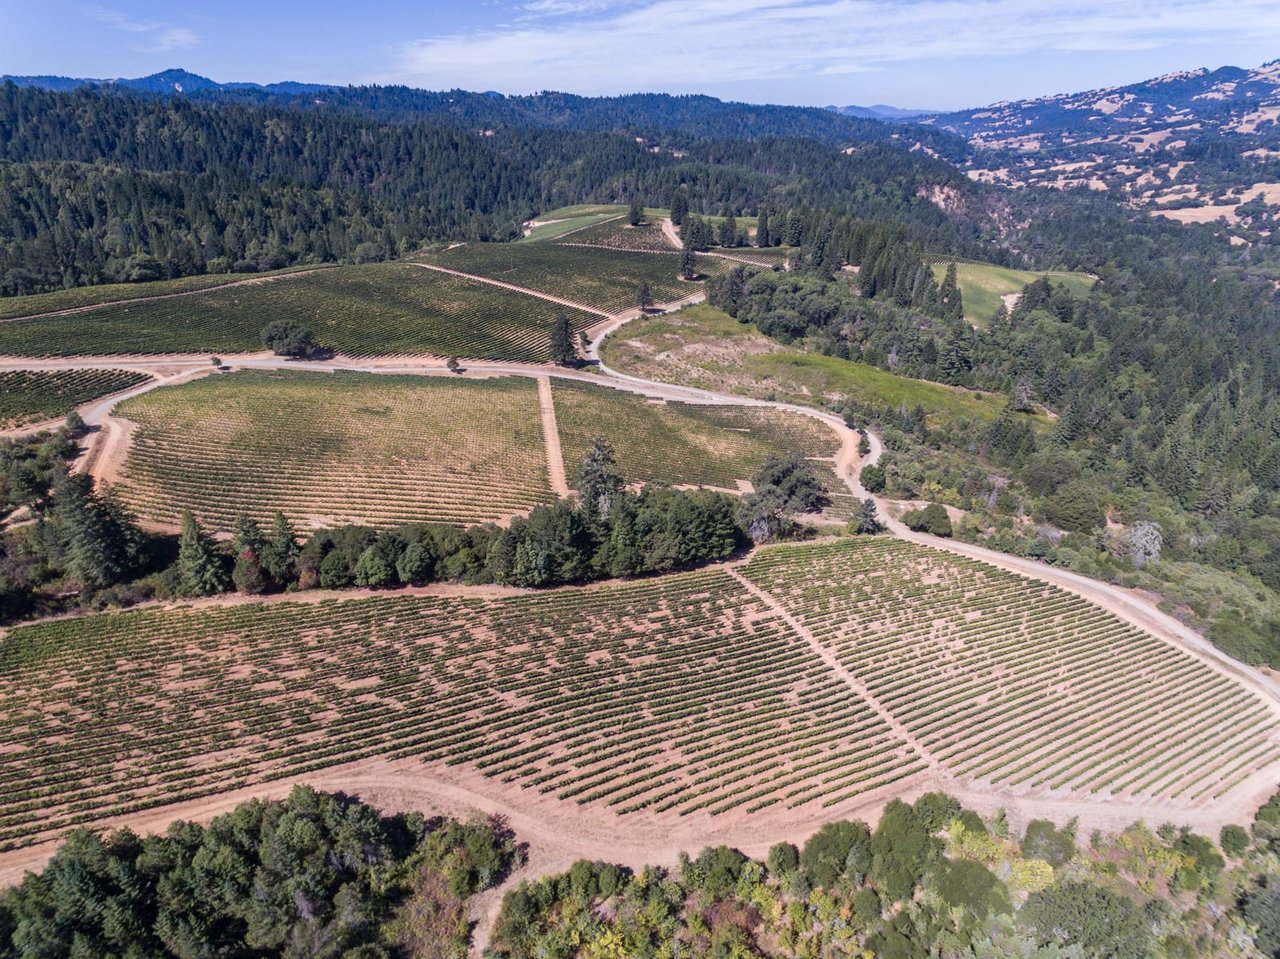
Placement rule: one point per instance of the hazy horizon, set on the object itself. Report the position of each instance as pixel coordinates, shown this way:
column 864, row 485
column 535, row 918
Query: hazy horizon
column 922, row 54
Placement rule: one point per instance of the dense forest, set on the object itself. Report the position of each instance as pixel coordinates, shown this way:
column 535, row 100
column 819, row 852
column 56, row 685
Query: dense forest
column 103, row 187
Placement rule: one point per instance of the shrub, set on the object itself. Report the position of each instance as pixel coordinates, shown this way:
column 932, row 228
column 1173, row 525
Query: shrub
column 933, row 519
column 1234, row 840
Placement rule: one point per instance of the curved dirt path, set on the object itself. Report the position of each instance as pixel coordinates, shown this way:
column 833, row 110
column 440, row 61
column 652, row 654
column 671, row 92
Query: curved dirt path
column 249, row 281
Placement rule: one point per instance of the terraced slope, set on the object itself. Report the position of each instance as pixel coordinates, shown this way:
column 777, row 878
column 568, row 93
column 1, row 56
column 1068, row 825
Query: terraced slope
column 27, row 396
column 372, row 310
column 686, row 444
column 1011, row 682
column 672, row 695
column 336, row 448
column 601, row 279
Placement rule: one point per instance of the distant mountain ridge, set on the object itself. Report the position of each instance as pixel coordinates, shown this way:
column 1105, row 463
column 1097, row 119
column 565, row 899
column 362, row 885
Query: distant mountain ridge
column 1196, row 146
column 172, row 81
column 881, row 111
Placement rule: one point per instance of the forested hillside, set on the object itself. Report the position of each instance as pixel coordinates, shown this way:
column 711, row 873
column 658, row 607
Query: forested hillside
column 107, row 187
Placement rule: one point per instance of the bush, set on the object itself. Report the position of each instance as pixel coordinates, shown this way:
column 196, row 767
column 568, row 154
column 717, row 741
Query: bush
column 1044, row 841
column 1234, row 841
column 1077, row 507
column 933, row 519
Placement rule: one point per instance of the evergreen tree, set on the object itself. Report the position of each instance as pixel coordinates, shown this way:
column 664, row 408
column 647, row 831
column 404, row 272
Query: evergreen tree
column 866, row 522
column 279, row 554
column 372, row 569
column 728, row 232
column 762, row 230
column 636, row 212
column 599, row 481
column 95, row 540
column 949, row 295
column 688, row 264
column 794, row 233
column 248, row 535
column 679, row 206
column 563, row 349
column 200, row 568
column 644, row 296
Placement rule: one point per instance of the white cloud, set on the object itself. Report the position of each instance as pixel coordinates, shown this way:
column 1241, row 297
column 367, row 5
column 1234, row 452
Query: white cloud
column 614, row 46
column 157, row 37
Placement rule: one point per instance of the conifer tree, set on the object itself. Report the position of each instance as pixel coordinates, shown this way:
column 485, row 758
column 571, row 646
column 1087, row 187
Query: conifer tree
column 200, row 569
column 599, row 481
column 762, row 230
column 636, row 213
column 949, row 295
column 866, row 522
column 679, row 206
column 279, row 555
column 728, row 231
column 688, row 265
column 794, row 233
column 644, row 296
column 563, row 350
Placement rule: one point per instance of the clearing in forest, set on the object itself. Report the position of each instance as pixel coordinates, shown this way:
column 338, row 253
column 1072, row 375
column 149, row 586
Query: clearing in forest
column 28, row 396
column 371, row 310
column 689, row 444
column 702, row 693
column 983, row 286
column 333, row 448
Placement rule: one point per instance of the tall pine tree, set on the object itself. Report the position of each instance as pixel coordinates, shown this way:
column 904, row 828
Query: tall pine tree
column 200, row 568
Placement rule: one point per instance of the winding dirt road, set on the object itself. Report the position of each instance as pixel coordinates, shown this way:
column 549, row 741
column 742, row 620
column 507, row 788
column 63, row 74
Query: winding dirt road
column 558, row 836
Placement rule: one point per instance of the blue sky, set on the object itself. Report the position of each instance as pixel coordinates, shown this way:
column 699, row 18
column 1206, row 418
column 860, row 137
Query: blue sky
column 922, row 53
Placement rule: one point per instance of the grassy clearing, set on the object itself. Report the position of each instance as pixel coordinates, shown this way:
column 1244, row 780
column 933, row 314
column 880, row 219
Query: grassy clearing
column 376, row 309
column 602, row 279
column 27, row 396
column 704, row 347
column 336, row 448
column 983, row 285
column 686, row 444
column 13, row 306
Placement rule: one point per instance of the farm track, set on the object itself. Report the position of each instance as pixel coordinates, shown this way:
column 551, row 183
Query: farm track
column 559, row 833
